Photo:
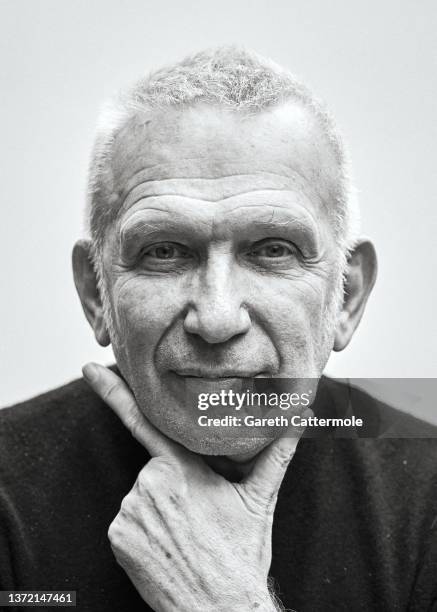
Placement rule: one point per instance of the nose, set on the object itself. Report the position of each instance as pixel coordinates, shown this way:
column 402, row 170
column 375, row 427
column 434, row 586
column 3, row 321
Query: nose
column 216, row 311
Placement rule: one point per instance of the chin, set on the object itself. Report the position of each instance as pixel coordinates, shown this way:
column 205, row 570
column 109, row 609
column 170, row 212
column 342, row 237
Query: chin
column 221, row 445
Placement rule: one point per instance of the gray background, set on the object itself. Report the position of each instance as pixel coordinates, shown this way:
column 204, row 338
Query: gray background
column 374, row 62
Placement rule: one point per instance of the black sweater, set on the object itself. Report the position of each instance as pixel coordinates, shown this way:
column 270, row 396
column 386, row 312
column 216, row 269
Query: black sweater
column 355, row 525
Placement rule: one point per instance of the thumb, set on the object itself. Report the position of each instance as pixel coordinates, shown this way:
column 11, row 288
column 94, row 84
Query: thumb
column 268, row 472
column 264, row 480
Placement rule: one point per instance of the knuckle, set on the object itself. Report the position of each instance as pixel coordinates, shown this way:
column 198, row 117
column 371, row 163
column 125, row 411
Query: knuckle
column 135, row 421
column 134, row 426
column 125, row 505
column 109, row 391
column 114, row 533
column 121, row 524
column 148, row 480
column 165, row 465
column 159, row 478
column 159, row 467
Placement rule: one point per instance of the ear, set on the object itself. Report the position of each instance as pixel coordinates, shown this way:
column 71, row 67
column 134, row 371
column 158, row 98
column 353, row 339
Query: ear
column 85, row 280
column 359, row 280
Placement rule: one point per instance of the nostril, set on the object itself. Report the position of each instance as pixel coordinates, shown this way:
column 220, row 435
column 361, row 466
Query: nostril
column 216, row 326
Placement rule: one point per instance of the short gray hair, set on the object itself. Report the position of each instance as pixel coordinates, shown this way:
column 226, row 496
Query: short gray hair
column 227, row 76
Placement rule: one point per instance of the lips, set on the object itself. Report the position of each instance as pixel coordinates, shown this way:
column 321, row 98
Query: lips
column 207, row 374
column 201, row 380
column 192, row 386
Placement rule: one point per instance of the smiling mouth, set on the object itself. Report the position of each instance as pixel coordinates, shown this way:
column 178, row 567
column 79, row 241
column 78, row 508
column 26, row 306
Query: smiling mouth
column 224, row 375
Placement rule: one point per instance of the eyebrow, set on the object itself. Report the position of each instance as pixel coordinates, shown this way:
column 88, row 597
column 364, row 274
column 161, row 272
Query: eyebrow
column 252, row 221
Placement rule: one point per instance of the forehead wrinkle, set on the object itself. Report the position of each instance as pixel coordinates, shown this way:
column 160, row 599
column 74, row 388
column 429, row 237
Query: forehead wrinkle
column 167, row 187
column 179, row 172
column 168, row 203
column 176, row 145
column 128, row 205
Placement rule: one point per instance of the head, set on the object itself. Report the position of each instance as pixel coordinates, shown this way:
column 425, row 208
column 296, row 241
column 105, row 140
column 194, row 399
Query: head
column 222, row 236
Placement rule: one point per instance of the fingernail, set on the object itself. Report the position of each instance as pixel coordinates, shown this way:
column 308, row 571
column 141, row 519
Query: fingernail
column 90, row 372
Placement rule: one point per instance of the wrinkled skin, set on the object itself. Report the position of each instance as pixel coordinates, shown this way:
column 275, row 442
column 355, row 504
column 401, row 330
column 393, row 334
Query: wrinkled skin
column 222, row 260
column 220, row 263
column 188, row 538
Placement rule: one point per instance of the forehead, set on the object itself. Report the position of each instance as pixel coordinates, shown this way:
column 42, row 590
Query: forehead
column 204, row 142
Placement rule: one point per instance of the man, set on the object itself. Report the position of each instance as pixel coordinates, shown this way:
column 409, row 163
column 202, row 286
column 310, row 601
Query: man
column 222, row 249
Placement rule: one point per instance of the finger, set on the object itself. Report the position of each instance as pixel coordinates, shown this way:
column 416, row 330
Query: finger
column 114, row 392
column 269, row 469
column 264, row 480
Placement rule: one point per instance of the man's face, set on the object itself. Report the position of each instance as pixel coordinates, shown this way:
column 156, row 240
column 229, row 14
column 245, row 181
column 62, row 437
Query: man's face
column 221, row 263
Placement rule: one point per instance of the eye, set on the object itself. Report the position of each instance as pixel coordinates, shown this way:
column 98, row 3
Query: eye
column 273, row 249
column 167, row 251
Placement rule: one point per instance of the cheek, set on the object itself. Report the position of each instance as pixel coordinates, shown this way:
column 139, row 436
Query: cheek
column 143, row 312
column 290, row 303
column 293, row 312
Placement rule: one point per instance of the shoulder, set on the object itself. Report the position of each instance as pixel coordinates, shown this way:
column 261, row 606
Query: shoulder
column 67, row 426
column 57, row 413
column 380, row 419
column 62, row 398
column 393, row 450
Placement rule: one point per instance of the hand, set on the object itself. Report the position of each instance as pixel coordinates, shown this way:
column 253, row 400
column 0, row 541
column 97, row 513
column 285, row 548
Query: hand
column 187, row 538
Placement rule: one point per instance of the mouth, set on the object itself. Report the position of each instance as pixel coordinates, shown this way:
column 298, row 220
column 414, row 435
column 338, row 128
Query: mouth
column 217, row 375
